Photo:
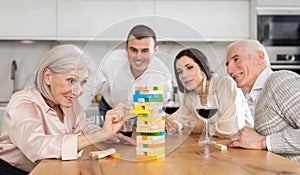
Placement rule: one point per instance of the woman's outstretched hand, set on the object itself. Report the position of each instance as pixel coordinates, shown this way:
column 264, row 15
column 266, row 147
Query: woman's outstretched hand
column 116, row 117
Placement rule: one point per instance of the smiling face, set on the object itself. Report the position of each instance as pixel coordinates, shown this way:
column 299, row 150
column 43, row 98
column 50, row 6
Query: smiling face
column 243, row 68
column 189, row 73
column 140, row 52
column 66, row 87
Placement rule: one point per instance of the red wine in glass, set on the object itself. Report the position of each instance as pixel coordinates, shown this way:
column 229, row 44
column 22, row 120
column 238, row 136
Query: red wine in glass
column 170, row 109
column 207, row 113
column 126, row 133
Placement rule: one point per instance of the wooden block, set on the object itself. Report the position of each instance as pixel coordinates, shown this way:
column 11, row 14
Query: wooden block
column 220, row 146
column 115, row 155
column 104, row 153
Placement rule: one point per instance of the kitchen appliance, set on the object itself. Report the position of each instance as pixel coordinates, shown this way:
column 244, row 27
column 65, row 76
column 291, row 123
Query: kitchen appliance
column 278, row 29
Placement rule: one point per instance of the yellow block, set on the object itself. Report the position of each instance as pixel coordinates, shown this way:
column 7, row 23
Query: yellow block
column 139, row 111
column 115, row 155
column 139, row 108
column 144, row 157
column 160, row 88
column 156, row 145
column 156, row 153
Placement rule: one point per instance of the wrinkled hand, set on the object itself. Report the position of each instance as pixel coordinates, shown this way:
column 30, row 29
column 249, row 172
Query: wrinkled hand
column 116, row 117
column 248, row 138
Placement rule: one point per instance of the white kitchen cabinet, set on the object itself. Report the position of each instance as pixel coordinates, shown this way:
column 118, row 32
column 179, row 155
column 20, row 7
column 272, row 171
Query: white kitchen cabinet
column 180, row 20
column 103, row 19
column 215, row 20
column 30, row 19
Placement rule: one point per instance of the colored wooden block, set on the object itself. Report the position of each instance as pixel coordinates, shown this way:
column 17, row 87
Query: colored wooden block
column 132, row 111
column 154, row 134
column 150, row 139
column 103, row 153
column 153, row 145
column 141, row 100
column 142, row 115
column 159, row 141
column 156, row 153
column 220, row 146
column 115, row 155
column 157, row 88
column 150, row 151
column 148, row 158
column 139, row 108
column 148, row 119
column 150, row 129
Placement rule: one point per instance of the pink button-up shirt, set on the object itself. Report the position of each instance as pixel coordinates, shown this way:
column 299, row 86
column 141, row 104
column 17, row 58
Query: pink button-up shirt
column 32, row 131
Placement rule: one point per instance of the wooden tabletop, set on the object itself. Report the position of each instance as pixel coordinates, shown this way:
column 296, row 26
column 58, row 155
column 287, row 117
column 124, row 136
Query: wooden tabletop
column 183, row 156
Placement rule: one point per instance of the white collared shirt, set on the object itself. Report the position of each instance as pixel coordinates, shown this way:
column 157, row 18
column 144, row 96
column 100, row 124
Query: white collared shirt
column 115, row 82
column 256, row 89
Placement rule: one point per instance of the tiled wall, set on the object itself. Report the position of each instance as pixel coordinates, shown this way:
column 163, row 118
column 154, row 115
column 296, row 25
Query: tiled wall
column 26, row 56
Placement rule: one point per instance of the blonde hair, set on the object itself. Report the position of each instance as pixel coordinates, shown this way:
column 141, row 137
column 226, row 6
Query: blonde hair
column 251, row 46
column 60, row 59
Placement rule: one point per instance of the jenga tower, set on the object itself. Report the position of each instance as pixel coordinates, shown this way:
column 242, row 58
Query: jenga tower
column 150, row 122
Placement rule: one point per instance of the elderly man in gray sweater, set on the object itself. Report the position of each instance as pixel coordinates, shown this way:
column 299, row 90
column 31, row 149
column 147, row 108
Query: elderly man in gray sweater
column 274, row 98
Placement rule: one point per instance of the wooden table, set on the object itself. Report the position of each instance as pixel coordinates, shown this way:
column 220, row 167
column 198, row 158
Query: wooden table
column 186, row 158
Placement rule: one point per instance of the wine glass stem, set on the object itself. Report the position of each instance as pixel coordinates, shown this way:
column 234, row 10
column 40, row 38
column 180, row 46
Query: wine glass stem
column 206, row 130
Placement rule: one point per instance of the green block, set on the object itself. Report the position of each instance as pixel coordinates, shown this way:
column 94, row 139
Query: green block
column 160, row 99
column 153, row 134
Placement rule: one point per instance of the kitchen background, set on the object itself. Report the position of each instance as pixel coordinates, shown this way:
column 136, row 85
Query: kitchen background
column 29, row 28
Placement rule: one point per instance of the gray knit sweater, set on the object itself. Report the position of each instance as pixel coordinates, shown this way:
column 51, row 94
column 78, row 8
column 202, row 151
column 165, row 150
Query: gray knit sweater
column 277, row 113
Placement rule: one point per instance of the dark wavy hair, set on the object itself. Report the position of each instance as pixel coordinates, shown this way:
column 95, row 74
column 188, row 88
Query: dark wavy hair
column 199, row 58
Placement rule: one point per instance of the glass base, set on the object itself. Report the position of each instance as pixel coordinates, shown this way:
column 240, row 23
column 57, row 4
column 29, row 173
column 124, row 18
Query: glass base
column 206, row 141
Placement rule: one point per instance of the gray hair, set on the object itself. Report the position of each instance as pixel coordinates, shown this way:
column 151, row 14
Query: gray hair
column 60, row 59
column 251, row 47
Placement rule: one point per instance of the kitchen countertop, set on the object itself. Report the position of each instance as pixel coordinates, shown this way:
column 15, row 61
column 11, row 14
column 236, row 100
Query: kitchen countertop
column 3, row 104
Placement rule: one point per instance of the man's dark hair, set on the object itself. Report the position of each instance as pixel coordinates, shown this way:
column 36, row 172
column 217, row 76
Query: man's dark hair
column 142, row 31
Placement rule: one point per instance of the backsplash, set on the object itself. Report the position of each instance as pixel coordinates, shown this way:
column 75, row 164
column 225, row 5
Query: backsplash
column 27, row 55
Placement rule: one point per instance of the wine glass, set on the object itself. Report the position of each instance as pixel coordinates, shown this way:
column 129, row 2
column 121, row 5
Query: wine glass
column 208, row 107
column 172, row 105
